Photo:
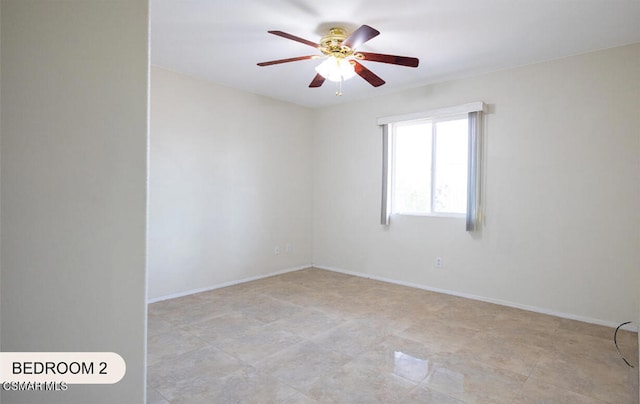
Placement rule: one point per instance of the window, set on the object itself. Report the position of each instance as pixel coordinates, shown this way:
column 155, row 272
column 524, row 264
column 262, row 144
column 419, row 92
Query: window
column 429, row 166
column 431, row 163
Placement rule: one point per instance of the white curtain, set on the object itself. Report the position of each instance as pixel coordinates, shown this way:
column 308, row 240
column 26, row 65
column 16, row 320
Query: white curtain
column 473, row 173
column 385, row 217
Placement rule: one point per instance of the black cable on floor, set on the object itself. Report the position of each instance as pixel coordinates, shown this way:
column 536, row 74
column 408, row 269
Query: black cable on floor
column 615, row 341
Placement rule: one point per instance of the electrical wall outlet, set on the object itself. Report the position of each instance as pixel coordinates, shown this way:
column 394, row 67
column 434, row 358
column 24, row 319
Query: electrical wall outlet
column 287, row 248
column 439, row 263
column 276, row 250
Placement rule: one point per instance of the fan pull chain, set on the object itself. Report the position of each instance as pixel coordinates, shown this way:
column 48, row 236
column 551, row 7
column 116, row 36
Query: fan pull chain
column 339, row 90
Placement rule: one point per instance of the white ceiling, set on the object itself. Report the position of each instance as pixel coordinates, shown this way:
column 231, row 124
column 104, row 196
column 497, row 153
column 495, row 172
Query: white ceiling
column 222, row 40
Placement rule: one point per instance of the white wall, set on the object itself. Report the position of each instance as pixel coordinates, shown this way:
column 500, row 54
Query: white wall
column 562, row 190
column 230, row 179
column 1, row 186
column 73, row 175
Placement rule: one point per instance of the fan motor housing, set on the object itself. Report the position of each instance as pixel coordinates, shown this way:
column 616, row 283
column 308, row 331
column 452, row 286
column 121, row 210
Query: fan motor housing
column 331, row 44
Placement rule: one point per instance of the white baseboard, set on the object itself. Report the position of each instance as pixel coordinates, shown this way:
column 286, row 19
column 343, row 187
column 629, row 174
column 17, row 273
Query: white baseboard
column 590, row 320
column 223, row 285
column 535, row 309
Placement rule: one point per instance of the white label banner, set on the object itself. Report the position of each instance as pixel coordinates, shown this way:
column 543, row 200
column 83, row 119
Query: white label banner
column 68, row 367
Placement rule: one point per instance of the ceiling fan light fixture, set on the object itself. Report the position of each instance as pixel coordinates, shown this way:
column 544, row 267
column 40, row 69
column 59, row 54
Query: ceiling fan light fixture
column 336, row 69
column 342, row 58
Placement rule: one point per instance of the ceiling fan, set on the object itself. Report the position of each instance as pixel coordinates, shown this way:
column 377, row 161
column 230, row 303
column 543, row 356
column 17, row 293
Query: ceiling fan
column 342, row 57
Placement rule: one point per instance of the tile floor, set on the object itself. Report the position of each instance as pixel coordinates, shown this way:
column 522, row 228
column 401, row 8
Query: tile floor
column 318, row 336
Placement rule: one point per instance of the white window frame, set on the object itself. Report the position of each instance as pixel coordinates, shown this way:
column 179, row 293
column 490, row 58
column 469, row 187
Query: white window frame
column 432, row 171
column 474, row 111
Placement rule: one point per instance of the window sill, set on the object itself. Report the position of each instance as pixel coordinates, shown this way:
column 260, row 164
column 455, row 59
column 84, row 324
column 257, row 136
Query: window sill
column 431, row 214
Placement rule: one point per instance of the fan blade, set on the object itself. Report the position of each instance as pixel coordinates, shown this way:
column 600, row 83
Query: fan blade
column 367, row 74
column 275, row 62
column 392, row 59
column 360, row 36
column 294, row 38
column 317, row 81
